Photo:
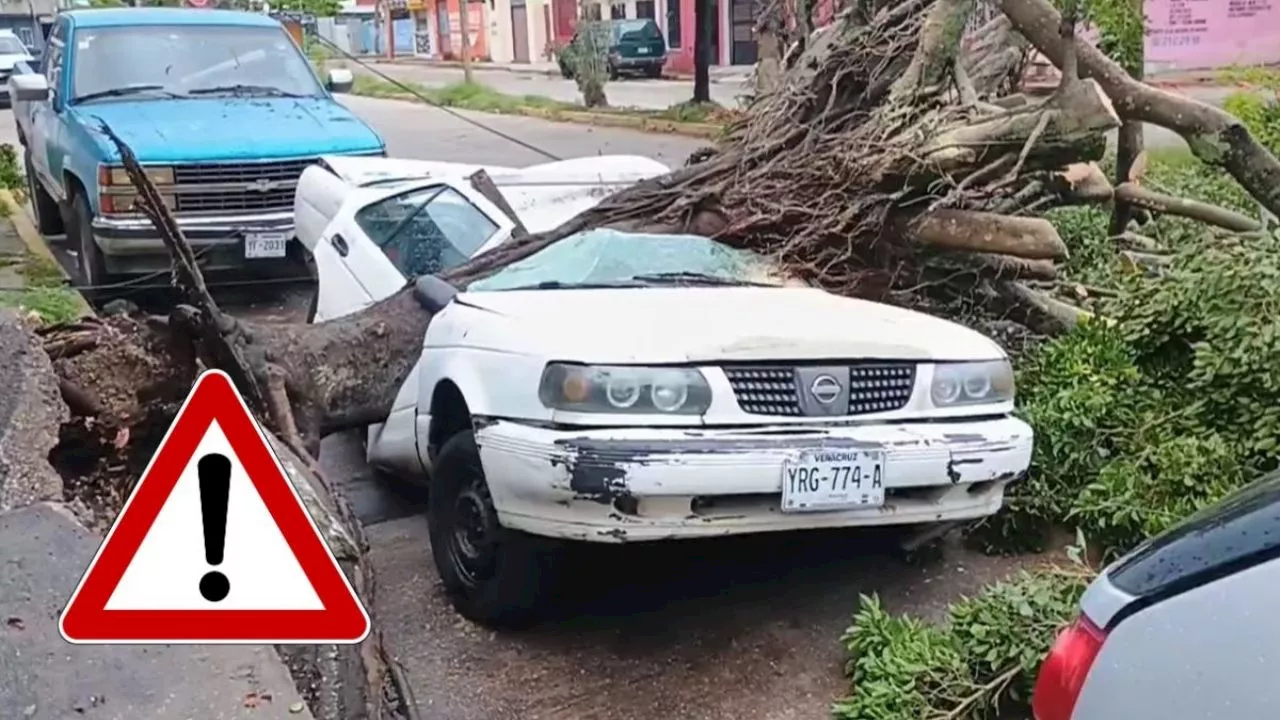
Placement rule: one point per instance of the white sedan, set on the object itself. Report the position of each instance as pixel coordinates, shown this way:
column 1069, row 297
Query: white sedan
column 619, row 387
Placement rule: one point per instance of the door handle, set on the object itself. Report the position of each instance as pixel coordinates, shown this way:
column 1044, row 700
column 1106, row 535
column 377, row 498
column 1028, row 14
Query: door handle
column 339, row 244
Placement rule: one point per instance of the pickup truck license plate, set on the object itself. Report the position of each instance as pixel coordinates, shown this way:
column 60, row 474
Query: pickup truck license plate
column 265, row 245
column 833, row 480
column 642, row 51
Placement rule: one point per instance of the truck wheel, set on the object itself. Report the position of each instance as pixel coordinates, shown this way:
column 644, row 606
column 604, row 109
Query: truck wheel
column 48, row 216
column 497, row 577
column 93, row 268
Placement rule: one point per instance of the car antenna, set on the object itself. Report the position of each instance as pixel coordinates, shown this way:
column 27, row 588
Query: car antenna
column 416, row 93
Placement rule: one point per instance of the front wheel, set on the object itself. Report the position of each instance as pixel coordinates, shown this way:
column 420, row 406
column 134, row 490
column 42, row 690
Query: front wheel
column 494, row 576
column 93, row 267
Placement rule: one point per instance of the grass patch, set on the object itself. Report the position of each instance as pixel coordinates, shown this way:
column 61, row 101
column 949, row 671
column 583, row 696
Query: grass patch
column 44, row 292
column 482, row 98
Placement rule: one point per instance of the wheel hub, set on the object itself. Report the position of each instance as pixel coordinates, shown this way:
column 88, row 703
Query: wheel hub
column 474, row 533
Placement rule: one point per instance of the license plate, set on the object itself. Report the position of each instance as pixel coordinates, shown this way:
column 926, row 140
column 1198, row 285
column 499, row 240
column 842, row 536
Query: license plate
column 642, row 51
column 833, row 480
column 265, row 245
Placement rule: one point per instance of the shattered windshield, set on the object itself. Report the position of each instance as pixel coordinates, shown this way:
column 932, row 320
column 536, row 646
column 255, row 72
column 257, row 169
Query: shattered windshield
column 610, row 258
column 190, row 60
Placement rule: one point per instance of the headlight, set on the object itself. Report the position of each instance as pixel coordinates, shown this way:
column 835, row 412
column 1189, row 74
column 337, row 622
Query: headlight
column 972, row 383
column 111, row 204
column 624, row 389
column 157, row 175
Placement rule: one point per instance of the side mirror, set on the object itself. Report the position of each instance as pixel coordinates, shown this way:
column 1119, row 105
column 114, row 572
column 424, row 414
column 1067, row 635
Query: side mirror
column 341, row 80
column 29, row 87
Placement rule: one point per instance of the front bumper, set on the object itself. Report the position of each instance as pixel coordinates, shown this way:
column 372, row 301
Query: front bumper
column 617, row 485
column 131, row 245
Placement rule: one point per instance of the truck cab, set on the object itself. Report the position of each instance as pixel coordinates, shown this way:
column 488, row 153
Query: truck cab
column 223, row 110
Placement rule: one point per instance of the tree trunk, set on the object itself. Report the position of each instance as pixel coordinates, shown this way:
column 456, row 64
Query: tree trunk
column 1128, row 145
column 704, row 24
column 770, row 38
column 464, row 26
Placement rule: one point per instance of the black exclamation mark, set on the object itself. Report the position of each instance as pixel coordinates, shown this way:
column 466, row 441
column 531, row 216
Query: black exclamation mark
column 215, row 484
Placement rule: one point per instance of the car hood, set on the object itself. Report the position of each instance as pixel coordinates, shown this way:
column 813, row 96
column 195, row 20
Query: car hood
column 702, row 324
column 205, row 129
column 8, row 61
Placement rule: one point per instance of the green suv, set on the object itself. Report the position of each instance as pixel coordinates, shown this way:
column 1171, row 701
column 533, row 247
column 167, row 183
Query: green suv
column 635, row 46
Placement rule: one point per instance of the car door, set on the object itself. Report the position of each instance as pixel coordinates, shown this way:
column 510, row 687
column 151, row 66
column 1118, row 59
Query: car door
column 424, row 229
column 45, row 121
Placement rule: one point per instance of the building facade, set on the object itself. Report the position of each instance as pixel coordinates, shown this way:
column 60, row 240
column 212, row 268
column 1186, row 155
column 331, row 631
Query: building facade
column 29, row 20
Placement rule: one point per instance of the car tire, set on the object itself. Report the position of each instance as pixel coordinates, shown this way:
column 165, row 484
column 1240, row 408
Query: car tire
column 614, row 73
column 93, row 267
column 654, row 72
column 48, row 216
column 313, row 306
column 565, row 72
column 494, row 576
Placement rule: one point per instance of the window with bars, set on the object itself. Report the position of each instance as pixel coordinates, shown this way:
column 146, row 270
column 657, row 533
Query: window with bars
column 673, row 24
column 618, row 11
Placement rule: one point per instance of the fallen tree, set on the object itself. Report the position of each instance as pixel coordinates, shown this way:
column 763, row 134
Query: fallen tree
column 886, row 165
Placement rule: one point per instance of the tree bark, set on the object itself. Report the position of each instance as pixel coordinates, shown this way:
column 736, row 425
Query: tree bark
column 464, row 27
column 704, row 24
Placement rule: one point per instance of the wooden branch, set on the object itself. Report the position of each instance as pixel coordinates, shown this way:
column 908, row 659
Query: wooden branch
column 980, row 232
column 935, row 54
column 1215, row 136
column 484, row 185
column 1076, row 117
column 1184, row 207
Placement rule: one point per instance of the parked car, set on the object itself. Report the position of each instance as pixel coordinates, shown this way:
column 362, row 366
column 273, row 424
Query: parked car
column 12, row 52
column 220, row 106
column 1184, row 627
column 635, row 46
column 620, row 387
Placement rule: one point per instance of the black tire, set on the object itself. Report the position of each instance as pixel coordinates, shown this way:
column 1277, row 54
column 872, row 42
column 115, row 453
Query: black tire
column 653, row 71
column 614, row 73
column 93, row 267
column 565, row 72
column 315, row 304
column 497, row 577
column 48, row 214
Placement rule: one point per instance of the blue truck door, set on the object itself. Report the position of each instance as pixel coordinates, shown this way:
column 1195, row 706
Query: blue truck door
column 47, row 137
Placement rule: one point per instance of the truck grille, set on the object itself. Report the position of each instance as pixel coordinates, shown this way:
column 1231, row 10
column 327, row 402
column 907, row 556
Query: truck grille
column 238, row 187
column 774, row 390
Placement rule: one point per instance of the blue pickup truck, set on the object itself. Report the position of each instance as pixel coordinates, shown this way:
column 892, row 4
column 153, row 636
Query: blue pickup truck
column 221, row 107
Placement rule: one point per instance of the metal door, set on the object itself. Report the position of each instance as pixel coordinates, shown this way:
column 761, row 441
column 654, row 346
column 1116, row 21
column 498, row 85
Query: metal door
column 742, row 45
column 519, row 31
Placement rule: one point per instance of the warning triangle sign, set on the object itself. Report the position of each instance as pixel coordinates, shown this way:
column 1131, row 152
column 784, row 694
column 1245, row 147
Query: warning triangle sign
column 214, row 545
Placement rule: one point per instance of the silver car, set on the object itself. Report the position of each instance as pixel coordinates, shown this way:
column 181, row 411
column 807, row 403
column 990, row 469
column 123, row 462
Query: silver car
column 1185, row 627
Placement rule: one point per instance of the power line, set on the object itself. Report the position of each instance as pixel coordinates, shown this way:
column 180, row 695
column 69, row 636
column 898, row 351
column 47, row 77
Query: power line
column 416, row 93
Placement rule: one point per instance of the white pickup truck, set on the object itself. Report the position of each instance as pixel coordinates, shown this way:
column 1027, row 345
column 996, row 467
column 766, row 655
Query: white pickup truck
column 621, row 387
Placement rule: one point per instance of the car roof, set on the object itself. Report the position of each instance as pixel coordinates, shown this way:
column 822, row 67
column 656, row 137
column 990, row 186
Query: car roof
column 128, row 16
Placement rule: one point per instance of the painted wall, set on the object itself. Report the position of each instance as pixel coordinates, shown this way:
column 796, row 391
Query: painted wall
column 1200, row 34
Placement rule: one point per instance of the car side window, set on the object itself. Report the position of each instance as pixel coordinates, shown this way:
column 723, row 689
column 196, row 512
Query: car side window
column 427, row 230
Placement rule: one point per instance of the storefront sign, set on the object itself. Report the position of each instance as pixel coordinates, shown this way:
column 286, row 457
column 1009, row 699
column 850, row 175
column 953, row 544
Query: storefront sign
column 1200, row 34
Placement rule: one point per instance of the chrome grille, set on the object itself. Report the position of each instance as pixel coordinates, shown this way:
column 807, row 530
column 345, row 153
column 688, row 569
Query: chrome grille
column 235, row 201
column 228, row 187
column 772, row 390
column 236, row 172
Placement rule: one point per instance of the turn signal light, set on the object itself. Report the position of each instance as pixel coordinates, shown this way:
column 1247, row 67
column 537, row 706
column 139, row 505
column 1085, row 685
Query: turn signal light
column 1064, row 670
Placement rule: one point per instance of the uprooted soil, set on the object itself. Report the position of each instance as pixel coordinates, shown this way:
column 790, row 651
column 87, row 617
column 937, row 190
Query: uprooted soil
column 123, row 378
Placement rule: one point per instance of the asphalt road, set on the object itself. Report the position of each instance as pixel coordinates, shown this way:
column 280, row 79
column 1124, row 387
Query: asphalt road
column 715, row 630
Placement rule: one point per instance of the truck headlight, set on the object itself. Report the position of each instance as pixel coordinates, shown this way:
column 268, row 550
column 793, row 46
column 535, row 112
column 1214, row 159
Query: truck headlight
column 624, row 389
column 972, row 383
column 118, row 176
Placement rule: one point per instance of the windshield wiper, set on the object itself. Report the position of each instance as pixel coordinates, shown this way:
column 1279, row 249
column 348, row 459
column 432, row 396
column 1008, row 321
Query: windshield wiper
column 240, row 89
column 559, row 285
column 695, row 278
column 127, row 90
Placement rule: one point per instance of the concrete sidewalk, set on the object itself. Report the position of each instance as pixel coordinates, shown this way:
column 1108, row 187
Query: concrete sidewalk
column 719, row 73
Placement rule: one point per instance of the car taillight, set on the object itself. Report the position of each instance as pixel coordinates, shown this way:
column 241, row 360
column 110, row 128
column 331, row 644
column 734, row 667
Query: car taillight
column 1063, row 672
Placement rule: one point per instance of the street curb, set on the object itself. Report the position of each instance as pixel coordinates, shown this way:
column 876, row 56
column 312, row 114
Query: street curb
column 656, row 126
column 37, row 246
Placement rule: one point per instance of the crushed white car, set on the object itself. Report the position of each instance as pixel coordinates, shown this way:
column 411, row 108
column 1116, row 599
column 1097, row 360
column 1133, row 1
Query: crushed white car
column 619, row 387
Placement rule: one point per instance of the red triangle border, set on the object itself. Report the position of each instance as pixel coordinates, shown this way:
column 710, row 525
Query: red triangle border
column 86, row 619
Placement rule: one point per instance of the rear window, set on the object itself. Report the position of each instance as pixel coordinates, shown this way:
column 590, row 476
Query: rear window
column 637, row 31
column 1241, row 530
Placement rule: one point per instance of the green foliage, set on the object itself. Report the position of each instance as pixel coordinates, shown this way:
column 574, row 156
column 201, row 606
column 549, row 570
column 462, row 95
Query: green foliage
column 13, row 176
column 980, row 664
column 1258, row 113
column 1170, row 402
column 1121, row 29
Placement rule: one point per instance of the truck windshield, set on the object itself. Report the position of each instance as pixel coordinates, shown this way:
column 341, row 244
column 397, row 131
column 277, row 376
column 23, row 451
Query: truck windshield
column 195, row 60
